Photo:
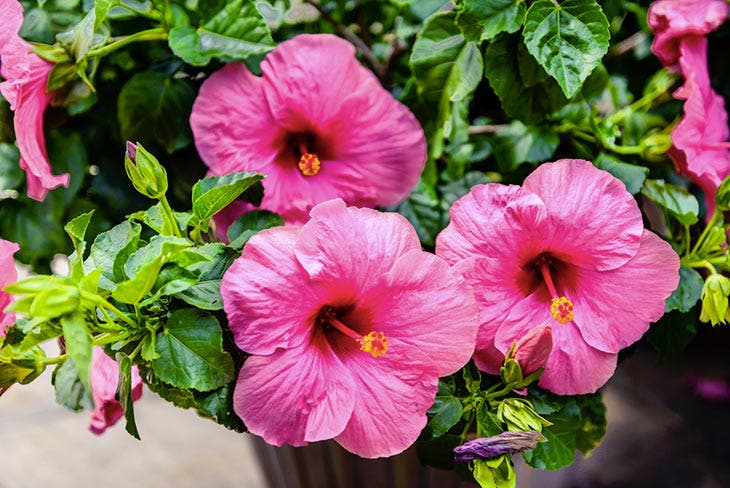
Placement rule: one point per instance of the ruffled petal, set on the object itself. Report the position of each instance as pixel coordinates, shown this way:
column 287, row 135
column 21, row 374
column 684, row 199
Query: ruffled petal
column 613, row 309
column 231, row 123
column 574, row 367
column 425, row 305
column 595, row 221
column 8, row 275
column 104, row 380
column 352, row 247
column 295, row 396
column 392, row 393
column 674, row 20
column 267, row 296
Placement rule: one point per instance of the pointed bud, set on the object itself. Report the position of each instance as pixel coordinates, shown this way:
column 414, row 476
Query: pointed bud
column 534, row 349
column 714, row 299
column 491, row 447
column 145, row 172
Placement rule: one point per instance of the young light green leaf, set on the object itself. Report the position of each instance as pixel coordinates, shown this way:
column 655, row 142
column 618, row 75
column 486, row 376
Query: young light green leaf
column 191, row 352
column 213, row 194
column 678, row 202
column 567, row 39
column 124, row 393
column 111, row 250
column 495, row 473
column 78, row 344
column 76, row 230
column 235, row 33
column 482, row 20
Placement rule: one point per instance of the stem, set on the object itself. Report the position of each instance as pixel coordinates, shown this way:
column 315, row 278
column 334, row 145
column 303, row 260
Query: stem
column 687, row 239
column 703, row 263
column 101, row 303
column 56, row 360
column 359, row 44
column 645, row 101
column 157, row 34
column 169, row 215
column 627, row 44
column 705, row 232
column 486, row 129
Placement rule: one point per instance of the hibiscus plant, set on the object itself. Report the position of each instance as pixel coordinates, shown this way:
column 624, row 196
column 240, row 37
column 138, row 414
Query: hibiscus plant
column 382, row 222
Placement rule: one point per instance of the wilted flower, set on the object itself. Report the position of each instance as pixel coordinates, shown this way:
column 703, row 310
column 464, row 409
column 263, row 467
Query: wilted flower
column 317, row 123
column 8, row 275
column 26, row 75
column 104, row 379
column 349, row 324
column 496, row 445
column 568, row 248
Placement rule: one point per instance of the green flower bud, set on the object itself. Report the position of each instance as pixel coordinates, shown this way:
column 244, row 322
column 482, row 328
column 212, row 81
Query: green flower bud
column 655, row 146
column 722, row 197
column 519, row 415
column 511, row 371
column 714, row 299
column 145, row 172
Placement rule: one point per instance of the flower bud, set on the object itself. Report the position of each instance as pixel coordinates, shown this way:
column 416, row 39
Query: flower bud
column 714, row 299
column 534, row 349
column 496, row 445
column 655, row 146
column 145, row 172
column 519, row 415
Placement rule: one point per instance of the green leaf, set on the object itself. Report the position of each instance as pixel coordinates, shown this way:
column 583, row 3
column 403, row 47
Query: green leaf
column 205, row 293
column 678, row 202
column 154, row 107
column 495, row 473
column 111, row 250
column 235, row 33
column 422, row 210
column 70, row 390
column 517, row 144
column 124, row 393
column 630, row 175
column 214, row 193
column 11, row 175
column 482, row 20
column 78, row 344
column 593, row 422
column 567, row 39
column 444, row 414
column 559, row 449
column 671, row 334
column 687, row 293
column 523, row 87
column 76, row 230
column 251, row 223
column 466, row 73
column 191, row 353
column 487, row 423
column 101, row 9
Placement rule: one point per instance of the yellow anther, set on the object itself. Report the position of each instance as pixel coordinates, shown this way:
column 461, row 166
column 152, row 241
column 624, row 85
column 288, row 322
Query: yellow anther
column 562, row 310
column 309, row 164
column 374, row 343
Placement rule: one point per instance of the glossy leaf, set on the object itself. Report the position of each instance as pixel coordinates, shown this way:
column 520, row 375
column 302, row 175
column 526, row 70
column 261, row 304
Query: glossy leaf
column 481, row 20
column 214, row 193
column 676, row 201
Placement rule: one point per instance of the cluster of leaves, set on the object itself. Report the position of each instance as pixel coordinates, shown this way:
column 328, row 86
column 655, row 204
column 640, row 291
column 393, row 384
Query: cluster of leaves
column 148, row 292
column 471, row 404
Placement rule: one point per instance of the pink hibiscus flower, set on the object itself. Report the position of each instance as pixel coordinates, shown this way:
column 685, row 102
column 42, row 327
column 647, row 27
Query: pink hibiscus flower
column 8, row 275
column 568, row 248
column 700, row 149
column 104, row 380
column 349, row 324
column 674, row 20
column 317, row 123
column 26, row 75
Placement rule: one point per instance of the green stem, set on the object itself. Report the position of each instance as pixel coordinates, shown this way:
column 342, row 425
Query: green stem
column 56, row 360
column 705, row 232
column 702, row 263
column 101, row 303
column 687, row 243
column 169, row 215
column 643, row 102
column 156, row 34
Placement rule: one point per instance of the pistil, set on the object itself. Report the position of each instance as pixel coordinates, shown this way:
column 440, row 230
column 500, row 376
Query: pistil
column 309, row 163
column 375, row 343
column 561, row 307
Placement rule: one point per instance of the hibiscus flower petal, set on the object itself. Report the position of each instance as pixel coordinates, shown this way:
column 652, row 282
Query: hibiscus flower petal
column 267, row 295
column 104, row 380
column 613, row 309
column 418, row 292
column 596, row 222
column 8, row 275
column 574, row 367
column 353, row 245
column 392, row 393
column 295, row 396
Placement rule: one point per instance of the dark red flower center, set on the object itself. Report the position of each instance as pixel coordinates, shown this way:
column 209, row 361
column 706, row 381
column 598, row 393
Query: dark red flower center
column 331, row 319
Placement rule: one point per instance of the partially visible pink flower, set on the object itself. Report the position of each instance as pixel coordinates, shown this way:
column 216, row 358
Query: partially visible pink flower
column 349, row 325
column 26, row 75
column 8, row 275
column 317, row 123
column 700, row 148
column 707, row 387
column 568, row 248
column 674, row 20
column 104, row 381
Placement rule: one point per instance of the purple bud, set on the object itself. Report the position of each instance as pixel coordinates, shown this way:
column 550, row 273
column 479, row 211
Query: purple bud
column 491, row 447
column 132, row 151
